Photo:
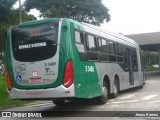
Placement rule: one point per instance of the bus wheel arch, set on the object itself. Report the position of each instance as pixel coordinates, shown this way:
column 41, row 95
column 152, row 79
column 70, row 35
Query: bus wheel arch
column 107, row 81
column 105, row 91
column 116, row 87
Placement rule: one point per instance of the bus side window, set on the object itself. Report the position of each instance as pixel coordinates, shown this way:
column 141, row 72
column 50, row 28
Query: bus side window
column 79, row 42
column 112, row 52
column 99, row 44
column 91, row 43
column 126, row 67
column 119, row 52
column 79, row 37
column 103, row 48
column 82, row 37
column 134, row 60
column 91, row 47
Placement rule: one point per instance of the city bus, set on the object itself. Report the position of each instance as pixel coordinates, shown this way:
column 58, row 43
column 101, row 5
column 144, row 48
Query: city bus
column 60, row 59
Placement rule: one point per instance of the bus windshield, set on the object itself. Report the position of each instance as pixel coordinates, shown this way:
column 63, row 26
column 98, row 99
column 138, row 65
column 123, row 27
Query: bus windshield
column 35, row 43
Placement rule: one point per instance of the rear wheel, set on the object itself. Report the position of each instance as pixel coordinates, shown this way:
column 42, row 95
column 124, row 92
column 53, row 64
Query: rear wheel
column 103, row 99
column 115, row 88
column 58, row 102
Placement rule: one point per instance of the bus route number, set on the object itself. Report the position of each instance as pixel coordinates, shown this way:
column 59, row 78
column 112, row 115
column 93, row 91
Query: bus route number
column 89, row 68
column 34, row 33
column 50, row 64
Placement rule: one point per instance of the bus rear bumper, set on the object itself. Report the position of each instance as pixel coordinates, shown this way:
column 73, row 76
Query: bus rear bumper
column 58, row 92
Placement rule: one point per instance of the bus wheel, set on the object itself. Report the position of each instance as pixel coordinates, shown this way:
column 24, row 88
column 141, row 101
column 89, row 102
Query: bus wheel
column 115, row 88
column 141, row 86
column 58, row 102
column 103, row 99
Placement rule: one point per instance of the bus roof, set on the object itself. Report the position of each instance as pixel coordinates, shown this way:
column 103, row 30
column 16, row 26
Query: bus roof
column 110, row 33
column 36, row 22
column 123, row 38
column 119, row 36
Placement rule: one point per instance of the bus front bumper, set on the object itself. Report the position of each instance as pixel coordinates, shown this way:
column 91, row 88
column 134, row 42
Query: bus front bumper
column 58, row 92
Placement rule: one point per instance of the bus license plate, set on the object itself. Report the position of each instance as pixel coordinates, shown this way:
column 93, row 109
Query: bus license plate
column 35, row 80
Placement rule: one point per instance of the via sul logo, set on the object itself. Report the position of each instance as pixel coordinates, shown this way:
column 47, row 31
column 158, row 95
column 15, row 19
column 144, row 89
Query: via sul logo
column 20, row 68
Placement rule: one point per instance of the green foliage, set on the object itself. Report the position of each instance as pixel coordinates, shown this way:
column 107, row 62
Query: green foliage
column 5, row 12
column 154, row 59
column 9, row 17
column 90, row 11
column 151, row 58
column 151, row 68
column 5, row 9
column 5, row 101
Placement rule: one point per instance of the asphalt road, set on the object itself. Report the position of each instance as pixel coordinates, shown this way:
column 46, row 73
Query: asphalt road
column 134, row 100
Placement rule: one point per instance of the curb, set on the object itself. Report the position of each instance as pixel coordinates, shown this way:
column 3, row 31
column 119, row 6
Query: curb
column 153, row 72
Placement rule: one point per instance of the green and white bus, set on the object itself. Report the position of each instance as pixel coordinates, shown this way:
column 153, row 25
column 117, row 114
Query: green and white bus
column 59, row 59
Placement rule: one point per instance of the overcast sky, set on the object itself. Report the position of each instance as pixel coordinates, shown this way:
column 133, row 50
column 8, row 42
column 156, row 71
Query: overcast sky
column 131, row 16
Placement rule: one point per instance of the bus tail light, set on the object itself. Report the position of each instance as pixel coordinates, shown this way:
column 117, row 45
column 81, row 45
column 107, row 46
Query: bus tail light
column 68, row 74
column 8, row 80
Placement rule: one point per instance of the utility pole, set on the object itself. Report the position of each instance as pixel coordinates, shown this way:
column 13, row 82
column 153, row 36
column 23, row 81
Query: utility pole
column 20, row 12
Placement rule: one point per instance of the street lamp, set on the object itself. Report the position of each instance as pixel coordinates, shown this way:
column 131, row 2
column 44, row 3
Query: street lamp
column 20, row 12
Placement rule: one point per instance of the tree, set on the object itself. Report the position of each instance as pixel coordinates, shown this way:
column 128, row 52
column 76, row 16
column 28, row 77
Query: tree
column 5, row 12
column 5, row 9
column 9, row 17
column 90, row 11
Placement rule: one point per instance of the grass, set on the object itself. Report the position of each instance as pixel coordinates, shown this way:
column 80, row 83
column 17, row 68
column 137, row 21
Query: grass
column 151, row 68
column 4, row 100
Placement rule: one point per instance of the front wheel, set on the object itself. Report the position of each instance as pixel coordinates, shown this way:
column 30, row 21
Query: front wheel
column 103, row 99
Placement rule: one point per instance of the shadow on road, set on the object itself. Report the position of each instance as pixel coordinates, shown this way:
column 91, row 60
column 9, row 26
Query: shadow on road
column 89, row 104
column 82, row 108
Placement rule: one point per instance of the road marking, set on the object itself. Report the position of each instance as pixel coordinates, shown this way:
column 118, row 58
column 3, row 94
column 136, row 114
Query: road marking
column 127, row 97
column 114, row 105
column 39, row 104
column 154, row 102
column 149, row 97
column 128, row 101
column 44, row 104
column 134, row 100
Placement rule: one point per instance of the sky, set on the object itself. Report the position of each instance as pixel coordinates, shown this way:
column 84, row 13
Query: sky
column 133, row 16
column 130, row 16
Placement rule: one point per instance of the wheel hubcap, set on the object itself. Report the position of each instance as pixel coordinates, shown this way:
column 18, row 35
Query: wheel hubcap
column 115, row 89
column 104, row 91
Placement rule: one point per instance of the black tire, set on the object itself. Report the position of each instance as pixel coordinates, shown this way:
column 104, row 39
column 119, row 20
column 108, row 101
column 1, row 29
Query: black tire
column 115, row 88
column 58, row 102
column 103, row 99
column 141, row 86
column 143, row 82
column 144, row 79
